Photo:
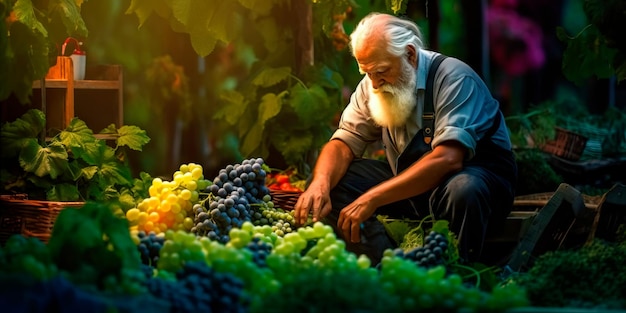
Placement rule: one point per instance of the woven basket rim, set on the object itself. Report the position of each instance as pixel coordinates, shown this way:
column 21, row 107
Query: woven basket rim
column 41, row 203
column 277, row 191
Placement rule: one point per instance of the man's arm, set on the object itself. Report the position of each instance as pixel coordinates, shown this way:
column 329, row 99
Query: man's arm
column 423, row 175
column 332, row 163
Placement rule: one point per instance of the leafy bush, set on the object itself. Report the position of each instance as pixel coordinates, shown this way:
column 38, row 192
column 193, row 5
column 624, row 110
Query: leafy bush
column 73, row 165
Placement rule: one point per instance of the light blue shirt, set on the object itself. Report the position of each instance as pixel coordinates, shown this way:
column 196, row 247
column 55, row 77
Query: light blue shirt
column 464, row 112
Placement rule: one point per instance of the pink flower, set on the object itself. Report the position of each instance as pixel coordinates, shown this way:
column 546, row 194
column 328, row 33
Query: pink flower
column 515, row 42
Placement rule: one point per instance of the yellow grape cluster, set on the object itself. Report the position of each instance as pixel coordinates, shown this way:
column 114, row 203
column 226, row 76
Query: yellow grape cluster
column 170, row 205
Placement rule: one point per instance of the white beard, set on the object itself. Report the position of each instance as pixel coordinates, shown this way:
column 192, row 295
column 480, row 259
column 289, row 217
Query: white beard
column 391, row 105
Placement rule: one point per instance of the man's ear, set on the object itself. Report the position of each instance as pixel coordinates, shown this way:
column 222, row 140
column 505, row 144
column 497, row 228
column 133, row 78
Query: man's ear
column 411, row 55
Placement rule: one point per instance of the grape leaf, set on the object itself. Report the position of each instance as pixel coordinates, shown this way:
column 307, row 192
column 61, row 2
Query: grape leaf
column 132, row 137
column 15, row 134
column 25, row 14
column 247, row 121
column 207, row 22
column 293, row 145
column 310, row 104
column 253, row 140
column 270, row 106
column 127, row 199
column 77, row 134
column 585, row 55
column 52, row 160
column 27, row 54
column 69, row 13
column 234, row 107
column 395, row 228
column 63, row 192
column 144, row 8
column 78, row 169
column 110, row 171
column 87, row 152
column 272, row 76
column 141, row 186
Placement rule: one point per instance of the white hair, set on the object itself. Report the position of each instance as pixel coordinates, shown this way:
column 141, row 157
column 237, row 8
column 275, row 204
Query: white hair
column 397, row 32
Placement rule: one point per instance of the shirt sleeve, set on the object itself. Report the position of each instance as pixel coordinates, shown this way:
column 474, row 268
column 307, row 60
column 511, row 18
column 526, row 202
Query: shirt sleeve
column 464, row 107
column 356, row 128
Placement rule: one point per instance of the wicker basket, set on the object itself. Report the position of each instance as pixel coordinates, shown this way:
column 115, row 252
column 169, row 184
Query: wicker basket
column 31, row 218
column 568, row 144
column 285, row 200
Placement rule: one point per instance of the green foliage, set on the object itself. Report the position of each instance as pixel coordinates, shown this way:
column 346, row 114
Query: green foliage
column 28, row 39
column 397, row 6
column 278, row 102
column 535, row 175
column 592, row 276
column 71, row 166
column 532, row 128
column 600, row 48
column 278, row 109
column 409, row 234
column 396, row 229
column 103, row 253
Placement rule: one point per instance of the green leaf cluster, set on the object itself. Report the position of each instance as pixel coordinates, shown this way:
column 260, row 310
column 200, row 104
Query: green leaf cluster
column 29, row 35
column 73, row 165
column 280, row 110
column 278, row 102
column 592, row 276
column 598, row 50
column 103, row 254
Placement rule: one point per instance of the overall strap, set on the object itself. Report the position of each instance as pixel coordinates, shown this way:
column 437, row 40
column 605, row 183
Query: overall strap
column 428, row 116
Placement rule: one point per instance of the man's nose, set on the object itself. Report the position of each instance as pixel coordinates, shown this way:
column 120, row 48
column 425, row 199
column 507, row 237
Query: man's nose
column 377, row 80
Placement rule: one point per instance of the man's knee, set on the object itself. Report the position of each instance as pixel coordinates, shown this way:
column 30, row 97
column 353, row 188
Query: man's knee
column 465, row 190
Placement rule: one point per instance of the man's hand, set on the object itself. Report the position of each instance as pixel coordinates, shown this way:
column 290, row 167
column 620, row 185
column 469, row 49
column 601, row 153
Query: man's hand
column 352, row 216
column 315, row 199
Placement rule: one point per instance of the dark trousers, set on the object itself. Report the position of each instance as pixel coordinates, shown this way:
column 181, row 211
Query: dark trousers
column 470, row 200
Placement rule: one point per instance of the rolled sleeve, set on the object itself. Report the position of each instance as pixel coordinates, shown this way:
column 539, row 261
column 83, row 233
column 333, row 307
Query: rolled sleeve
column 456, row 134
column 464, row 109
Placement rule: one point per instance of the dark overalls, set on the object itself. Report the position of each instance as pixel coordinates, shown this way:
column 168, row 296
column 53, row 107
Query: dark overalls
column 480, row 194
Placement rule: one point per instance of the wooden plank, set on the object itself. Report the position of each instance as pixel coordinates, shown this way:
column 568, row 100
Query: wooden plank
column 549, row 229
column 611, row 214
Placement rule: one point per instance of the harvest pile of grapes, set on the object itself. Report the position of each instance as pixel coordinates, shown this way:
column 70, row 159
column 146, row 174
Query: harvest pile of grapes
column 222, row 245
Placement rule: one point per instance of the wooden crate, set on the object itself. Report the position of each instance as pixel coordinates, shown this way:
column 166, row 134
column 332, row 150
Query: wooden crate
column 561, row 223
column 611, row 214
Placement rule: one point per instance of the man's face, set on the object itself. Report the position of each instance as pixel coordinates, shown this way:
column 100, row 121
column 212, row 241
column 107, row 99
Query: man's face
column 378, row 64
column 393, row 99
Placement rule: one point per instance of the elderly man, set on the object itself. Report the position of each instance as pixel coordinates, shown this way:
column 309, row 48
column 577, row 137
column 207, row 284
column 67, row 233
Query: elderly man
column 447, row 146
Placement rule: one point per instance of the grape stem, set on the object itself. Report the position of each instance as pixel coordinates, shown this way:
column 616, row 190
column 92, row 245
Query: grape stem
column 473, row 271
